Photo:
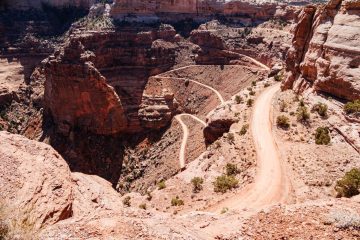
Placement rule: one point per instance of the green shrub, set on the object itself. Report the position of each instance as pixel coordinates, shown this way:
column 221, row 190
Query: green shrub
column 238, row 99
column 322, row 136
column 244, row 129
column 283, row 121
column 231, row 137
column 349, row 185
column 231, row 169
column 321, row 109
column 224, row 210
column 283, row 106
column 303, row 113
column 278, row 77
column 197, row 184
column 161, row 185
column 177, row 201
column 224, row 183
column 352, row 107
column 250, row 102
column 142, row 206
column 126, row 201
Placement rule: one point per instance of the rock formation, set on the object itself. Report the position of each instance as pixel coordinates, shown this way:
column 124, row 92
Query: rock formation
column 96, row 82
column 325, row 51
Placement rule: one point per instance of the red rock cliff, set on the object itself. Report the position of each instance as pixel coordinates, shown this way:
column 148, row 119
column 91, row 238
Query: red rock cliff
column 325, row 54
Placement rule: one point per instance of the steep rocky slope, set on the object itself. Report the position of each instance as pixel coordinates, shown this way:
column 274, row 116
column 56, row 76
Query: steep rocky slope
column 325, row 51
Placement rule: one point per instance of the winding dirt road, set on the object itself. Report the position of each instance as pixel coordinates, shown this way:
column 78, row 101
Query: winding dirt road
column 182, row 154
column 199, row 83
column 271, row 185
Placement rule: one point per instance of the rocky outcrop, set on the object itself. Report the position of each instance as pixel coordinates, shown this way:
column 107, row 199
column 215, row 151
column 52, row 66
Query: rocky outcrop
column 35, row 182
column 78, row 95
column 218, row 122
column 96, row 82
column 325, row 51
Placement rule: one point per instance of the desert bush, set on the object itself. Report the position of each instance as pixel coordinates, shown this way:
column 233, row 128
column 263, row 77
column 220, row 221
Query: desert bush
column 343, row 218
column 349, row 185
column 231, row 169
column 148, row 196
column 266, row 84
column 278, row 77
column 283, row 121
column 252, row 93
column 244, row 129
column 224, row 210
column 142, row 206
column 238, row 99
column 321, row 109
column 177, row 201
column 302, row 113
column 352, row 107
column 283, row 106
column 197, row 184
column 224, row 183
column 231, row 137
column 253, row 83
column 250, row 102
column 127, row 201
column 161, row 185
column 322, row 136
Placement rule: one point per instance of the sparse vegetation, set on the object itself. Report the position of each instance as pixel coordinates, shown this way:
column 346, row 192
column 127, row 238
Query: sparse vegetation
column 283, row 122
column 253, row 83
column 238, row 99
column 249, row 102
column 224, row 210
column 217, row 144
column 322, row 136
column 127, row 201
column 352, row 107
column 231, row 169
column 303, row 114
column 321, row 109
column 278, row 77
column 349, row 185
column 244, row 129
column 142, row 206
column 148, row 196
column 252, row 93
column 231, row 137
column 197, row 184
column 266, row 84
column 161, row 185
column 177, row 201
column 224, row 183
column 283, row 106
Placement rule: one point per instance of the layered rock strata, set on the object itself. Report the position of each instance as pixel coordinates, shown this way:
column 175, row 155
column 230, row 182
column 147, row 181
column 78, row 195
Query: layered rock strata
column 325, row 50
column 96, row 82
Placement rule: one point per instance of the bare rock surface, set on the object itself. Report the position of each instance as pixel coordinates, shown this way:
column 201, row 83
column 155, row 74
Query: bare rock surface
column 325, row 50
column 35, row 182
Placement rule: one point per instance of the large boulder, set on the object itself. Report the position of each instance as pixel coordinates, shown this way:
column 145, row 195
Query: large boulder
column 35, row 185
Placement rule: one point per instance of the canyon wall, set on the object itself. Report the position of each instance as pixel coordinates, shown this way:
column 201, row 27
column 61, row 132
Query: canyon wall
column 126, row 9
column 27, row 4
column 96, row 82
column 325, row 54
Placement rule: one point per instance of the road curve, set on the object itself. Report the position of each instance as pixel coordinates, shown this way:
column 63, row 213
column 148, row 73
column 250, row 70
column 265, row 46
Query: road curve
column 271, row 185
column 182, row 154
column 221, row 99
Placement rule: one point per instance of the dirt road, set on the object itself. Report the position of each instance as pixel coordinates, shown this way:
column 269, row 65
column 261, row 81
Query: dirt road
column 271, row 185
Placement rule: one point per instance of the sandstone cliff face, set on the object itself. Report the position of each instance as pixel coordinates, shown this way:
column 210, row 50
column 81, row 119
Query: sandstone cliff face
column 97, row 81
column 35, row 184
column 325, row 51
